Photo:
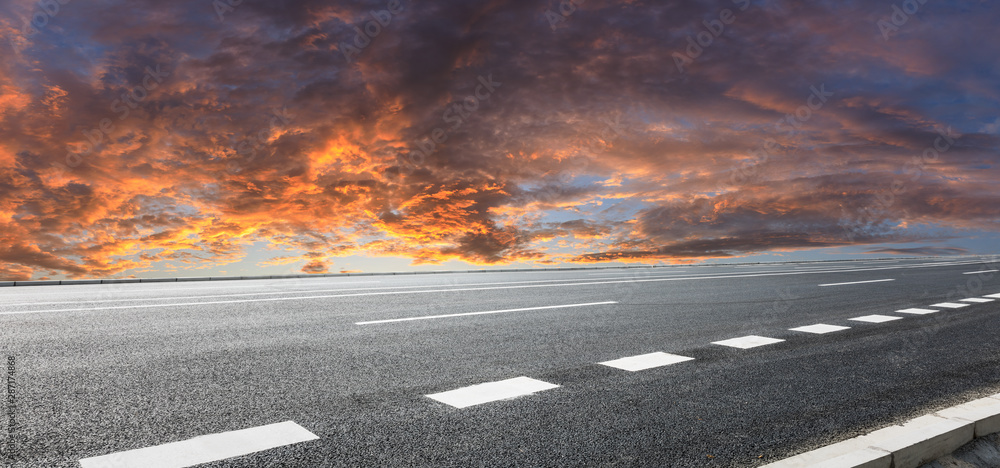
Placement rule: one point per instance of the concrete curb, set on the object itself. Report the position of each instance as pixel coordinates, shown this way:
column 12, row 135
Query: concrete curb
column 910, row 444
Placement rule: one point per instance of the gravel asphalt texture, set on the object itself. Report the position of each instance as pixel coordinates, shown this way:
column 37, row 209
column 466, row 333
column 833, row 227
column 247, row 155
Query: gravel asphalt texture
column 92, row 382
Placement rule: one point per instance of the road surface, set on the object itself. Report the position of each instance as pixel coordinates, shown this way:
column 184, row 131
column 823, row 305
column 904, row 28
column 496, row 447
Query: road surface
column 611, row 367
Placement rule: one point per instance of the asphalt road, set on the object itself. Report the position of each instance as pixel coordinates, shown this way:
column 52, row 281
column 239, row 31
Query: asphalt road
column 103, row 369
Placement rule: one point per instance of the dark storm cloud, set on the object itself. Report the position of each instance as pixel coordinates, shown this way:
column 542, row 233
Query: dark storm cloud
column 590, row 145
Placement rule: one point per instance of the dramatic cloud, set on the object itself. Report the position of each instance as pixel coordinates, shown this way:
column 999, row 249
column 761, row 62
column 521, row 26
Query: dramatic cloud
column 922, row 251
column 146, row 137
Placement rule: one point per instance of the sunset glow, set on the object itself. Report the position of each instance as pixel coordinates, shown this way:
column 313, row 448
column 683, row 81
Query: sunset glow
column 192, row 138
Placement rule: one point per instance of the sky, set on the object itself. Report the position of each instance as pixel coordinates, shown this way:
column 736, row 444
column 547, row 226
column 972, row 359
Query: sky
column 225, row 137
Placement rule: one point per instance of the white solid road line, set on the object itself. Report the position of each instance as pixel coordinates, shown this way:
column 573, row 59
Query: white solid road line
column 978, row 300
column 313, row 291
column 492, row 391
column 858, row 282
column 980, row 272
column 820, row 328
column 205, row 449
column 917, row 311
column 747, row 342
column 641, row 276
column 428, row 291
column 828, row 267
column 646, row 361
column 306, row 291
column 876, row 318
column 662, row 272
column 128, row 288
column 951, row 305
column 429, row 317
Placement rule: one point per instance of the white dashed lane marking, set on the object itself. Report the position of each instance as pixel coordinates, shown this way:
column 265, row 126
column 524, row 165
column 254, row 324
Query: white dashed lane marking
column 491, row 391
column 429, row 317
column 646, row 361
column 951, row 305
column 977, row 300
column 857, row 282
column 205, row 449
column 521, row 386
column 980, row 272
column 917, row 311
column 876, row 318
column 820, row 329
column 747, row 342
